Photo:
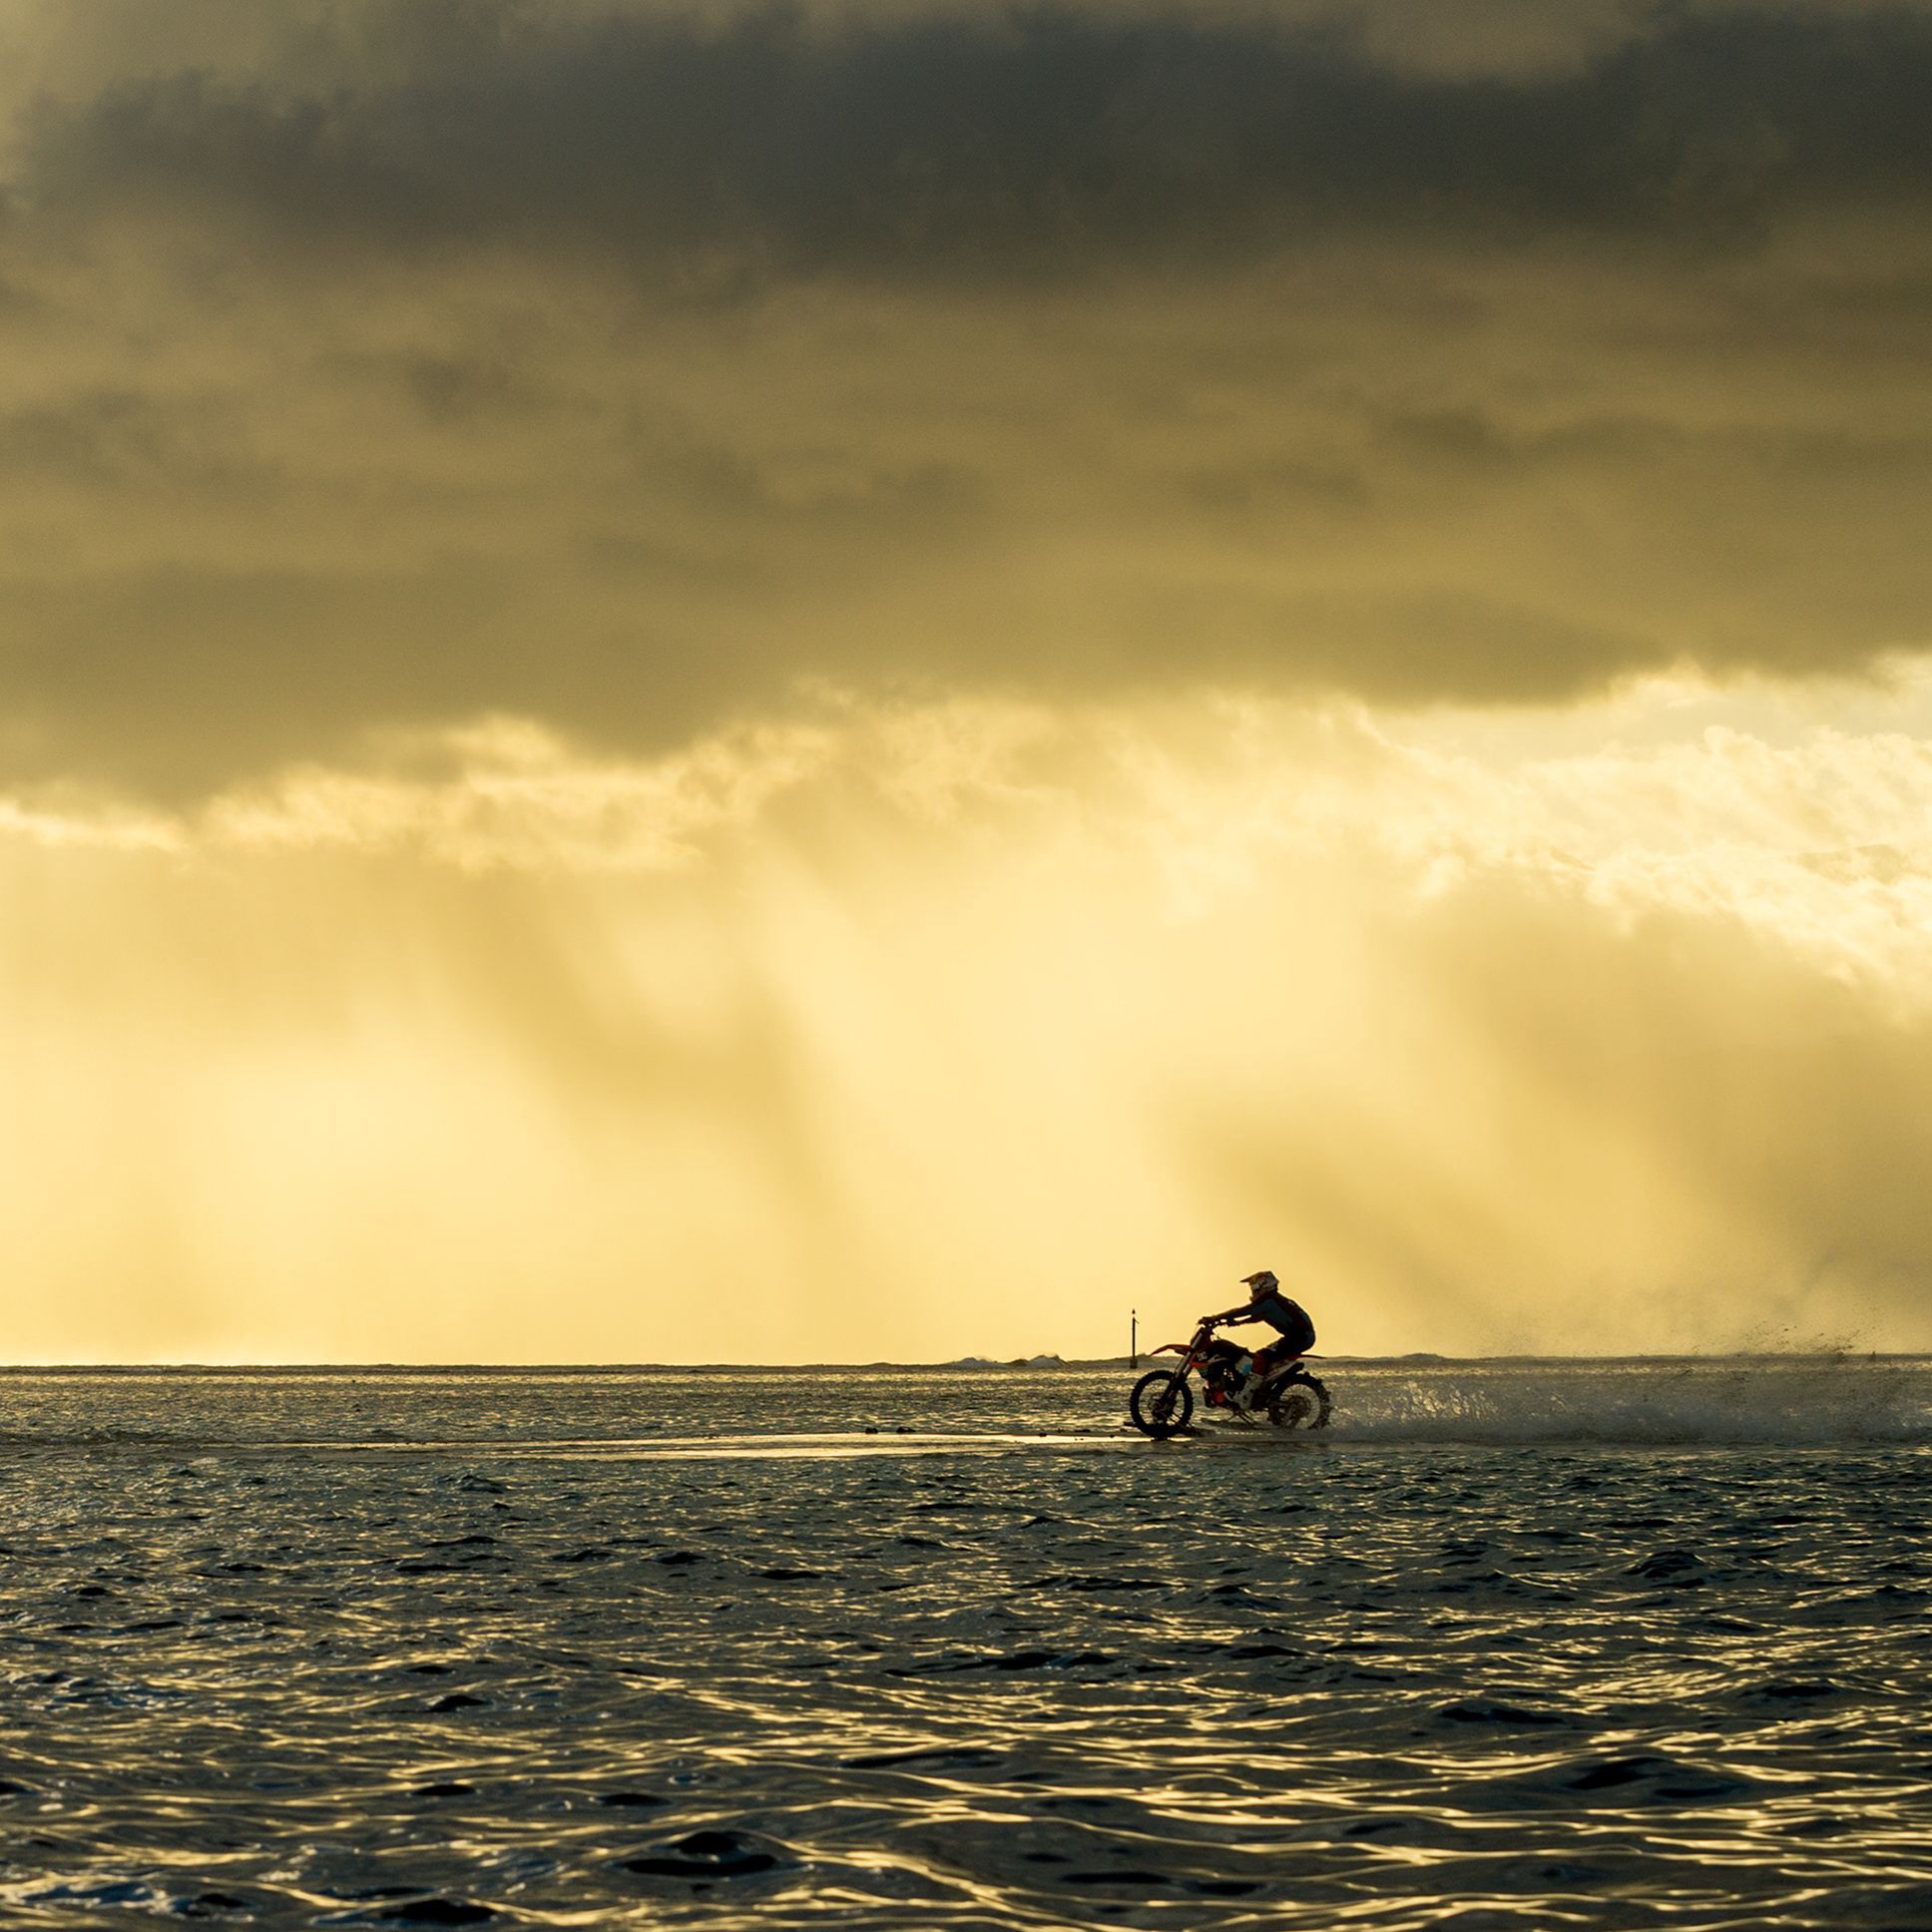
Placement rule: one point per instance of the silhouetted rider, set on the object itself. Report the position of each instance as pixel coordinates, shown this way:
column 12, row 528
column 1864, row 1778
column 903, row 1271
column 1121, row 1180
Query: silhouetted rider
column 1266, row 1302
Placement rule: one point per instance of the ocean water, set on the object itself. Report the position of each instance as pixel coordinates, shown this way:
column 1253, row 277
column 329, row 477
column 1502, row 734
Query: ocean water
column 1514, row 1644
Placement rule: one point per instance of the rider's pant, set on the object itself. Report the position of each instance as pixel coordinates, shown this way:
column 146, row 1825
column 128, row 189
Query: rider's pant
column 1232, row 1352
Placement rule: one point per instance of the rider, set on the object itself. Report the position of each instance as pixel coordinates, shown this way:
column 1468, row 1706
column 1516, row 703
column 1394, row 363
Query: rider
column 1266, row 1302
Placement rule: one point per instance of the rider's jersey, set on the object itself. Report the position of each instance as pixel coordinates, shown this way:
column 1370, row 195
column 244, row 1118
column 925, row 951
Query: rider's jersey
column 1287, row 1317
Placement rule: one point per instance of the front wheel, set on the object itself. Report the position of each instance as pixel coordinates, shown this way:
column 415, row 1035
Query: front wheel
column 1162, row 1404
column 1300, row 1403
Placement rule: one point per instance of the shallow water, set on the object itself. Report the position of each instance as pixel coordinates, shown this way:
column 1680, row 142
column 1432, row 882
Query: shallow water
column 1515, row 1645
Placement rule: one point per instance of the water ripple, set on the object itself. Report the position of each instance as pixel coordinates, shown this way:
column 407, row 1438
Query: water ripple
column 512, row 1664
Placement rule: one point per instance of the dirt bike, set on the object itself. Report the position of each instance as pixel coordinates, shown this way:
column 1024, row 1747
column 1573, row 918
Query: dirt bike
column 1162, row 1403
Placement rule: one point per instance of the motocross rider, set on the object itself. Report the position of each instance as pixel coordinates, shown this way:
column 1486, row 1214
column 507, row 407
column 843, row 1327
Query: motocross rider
column 1265, row 1302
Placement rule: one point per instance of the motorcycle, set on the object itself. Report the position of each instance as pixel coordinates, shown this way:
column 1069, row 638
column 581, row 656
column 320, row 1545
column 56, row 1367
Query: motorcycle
column 1162, row 1403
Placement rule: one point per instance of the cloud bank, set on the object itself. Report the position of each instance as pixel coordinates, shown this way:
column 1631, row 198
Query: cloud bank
column 631, row 368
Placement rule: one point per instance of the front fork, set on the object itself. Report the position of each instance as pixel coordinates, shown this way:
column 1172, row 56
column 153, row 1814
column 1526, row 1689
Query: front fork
column 1191, row 1364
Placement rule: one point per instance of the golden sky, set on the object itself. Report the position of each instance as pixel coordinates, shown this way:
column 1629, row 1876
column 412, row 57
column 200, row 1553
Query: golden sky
column 874, row 680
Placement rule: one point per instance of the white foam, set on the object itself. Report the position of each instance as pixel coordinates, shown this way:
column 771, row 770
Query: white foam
column 1784, row 1400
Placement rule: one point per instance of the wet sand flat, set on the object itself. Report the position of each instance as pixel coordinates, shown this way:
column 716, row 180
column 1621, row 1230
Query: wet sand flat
column 1523, row 1646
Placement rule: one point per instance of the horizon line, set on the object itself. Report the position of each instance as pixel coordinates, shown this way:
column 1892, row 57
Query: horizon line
column 1036, row 1364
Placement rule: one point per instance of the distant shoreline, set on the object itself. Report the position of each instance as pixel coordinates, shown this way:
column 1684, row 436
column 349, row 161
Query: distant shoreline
column 1022, row 1367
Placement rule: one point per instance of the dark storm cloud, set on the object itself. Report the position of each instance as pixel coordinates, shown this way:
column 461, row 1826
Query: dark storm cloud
column 633, row 368
column 1026, row 138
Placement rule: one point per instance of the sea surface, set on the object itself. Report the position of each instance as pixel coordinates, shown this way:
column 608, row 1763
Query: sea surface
column 1514, row 1644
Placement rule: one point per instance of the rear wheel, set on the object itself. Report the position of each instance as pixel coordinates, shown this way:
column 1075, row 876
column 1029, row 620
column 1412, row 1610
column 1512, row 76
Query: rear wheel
column 1162, row 1404
column 1301, row 1403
